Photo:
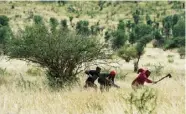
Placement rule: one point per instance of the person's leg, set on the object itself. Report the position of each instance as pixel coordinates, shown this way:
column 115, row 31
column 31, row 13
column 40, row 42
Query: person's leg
column 101, row 82
column 88, row 82
column 95, row 87
column 107, row 85
column 102, row 88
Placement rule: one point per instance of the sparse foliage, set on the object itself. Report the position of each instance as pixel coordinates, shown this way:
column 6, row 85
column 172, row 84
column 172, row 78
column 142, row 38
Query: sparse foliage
column 64, row 24
column 5, row 33
column 145, row 101
column 3, row 20
column 127, row 52
column 181, row 51
column 82, row 27
column 179, row 28
column 61, row 53
column 53, row 23
column 38, row 19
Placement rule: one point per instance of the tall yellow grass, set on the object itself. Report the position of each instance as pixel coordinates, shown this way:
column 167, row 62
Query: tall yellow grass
column 16, row 98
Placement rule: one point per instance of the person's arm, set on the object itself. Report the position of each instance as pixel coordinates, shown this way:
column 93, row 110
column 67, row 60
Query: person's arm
column 134, row 81
column 112, row 79
column 87, row 72
column 148, row 80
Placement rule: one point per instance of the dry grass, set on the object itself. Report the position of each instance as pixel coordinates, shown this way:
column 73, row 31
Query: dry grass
column 22, row 93
column 17, row 97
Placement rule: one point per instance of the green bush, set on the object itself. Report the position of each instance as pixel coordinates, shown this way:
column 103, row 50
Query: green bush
column 5, row 35
column 136, row 18
column 94, row 29
column 82, row 27
column 144, row 101
column 108, row 35
column 179, row 28
column 53, row 23
column 119, row 39
column 175, row 19
column 4, row 20
column 181, row 51
column 132, row 37
column 142, row 30
column 174, row 42
column 64, row 23
column 38, row 19
column 62, row 52
column 121, row 25
column 71, row 18
column 127, row 52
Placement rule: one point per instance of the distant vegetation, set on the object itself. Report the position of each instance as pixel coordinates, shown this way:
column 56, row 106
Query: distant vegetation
column 62, row 45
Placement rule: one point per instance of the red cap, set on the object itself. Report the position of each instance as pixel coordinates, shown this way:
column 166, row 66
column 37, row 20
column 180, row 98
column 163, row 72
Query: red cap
column 113, row 73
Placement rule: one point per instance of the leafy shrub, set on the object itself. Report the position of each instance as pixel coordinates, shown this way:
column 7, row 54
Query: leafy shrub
column 71, row 18
column 144, row 101
column 100, row 4
column 127, row 52
column 4, row 20
column 175, row 19
column 181, row 51
column 12, row 7
column 108, row 35
column 142, row 30
column 119, row 39
column 179, row 28
column 5, row 33
column 62, row 52
column 82, row 27
column 64, row 23
column 38, row 19
column 121, row 25
column 53, row 23
column 132, row 37
column 174, row 42
column 94, row 29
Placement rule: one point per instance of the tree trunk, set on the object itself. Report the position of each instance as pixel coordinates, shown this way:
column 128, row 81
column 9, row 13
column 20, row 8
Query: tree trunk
column 136, row 64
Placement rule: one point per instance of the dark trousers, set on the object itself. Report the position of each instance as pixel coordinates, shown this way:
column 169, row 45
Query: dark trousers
column 90, row 83
column 104, row 84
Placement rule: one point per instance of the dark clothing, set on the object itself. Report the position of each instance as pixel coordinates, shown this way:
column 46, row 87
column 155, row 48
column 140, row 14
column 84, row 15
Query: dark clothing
column 103, row 76
column 105, row 79
column 94, row 75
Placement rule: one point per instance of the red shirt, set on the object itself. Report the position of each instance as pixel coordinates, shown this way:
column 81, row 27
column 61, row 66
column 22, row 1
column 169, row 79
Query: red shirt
column 141, row 79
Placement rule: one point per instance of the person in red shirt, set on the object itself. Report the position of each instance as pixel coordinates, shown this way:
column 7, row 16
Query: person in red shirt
column 141, row 79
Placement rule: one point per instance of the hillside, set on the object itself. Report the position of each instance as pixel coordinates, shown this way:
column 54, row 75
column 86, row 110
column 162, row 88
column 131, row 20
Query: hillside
column 32, row 87
column 21, row 13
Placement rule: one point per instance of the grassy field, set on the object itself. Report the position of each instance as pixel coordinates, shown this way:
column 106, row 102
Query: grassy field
column 24, row 90
column 21, row 13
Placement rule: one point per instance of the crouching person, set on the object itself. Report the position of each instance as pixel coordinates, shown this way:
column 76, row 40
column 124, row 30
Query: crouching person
column 92, row 76
column 106, row 80
column 141, row 79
